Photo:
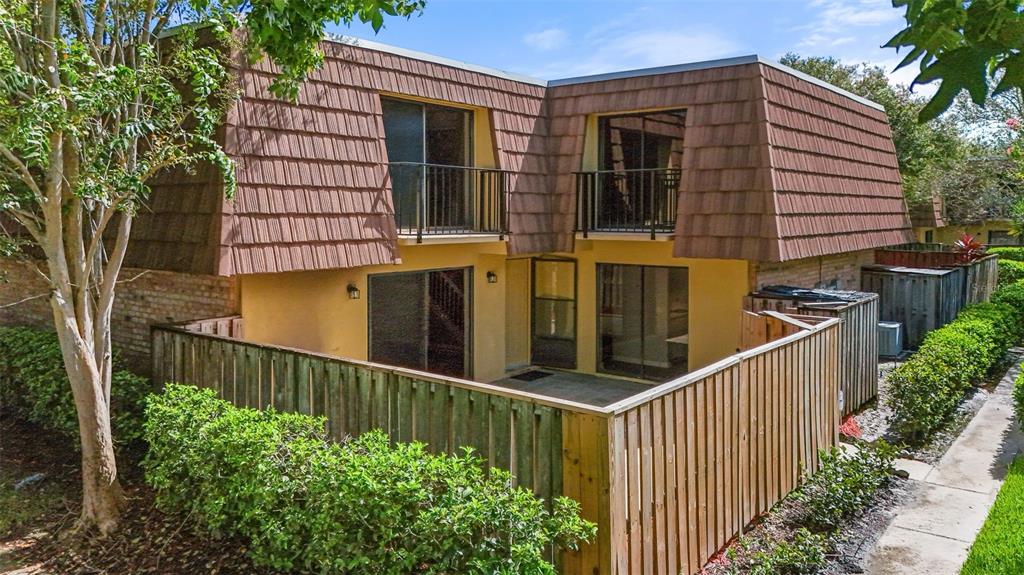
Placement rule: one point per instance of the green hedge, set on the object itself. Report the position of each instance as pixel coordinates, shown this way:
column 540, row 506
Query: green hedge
column 1010, row 271
column 34, row 383
column 364, row 506
column 1008, row 253
column 924, row 391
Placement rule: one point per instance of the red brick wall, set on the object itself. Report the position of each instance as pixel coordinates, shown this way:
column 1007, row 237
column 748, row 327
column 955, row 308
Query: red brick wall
column 840, row 271
column 143, row 298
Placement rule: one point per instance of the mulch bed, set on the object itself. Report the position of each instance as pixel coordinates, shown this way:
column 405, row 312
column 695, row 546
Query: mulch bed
column 854, row 539
column 872, row 419
column 148, row 541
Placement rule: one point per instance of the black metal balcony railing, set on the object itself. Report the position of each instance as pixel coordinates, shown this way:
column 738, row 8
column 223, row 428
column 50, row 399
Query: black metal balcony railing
column 437, row 200
column 637, row 201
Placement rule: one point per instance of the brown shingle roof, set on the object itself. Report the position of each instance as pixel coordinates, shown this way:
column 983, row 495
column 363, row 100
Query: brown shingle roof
column 775, row 166
column 929, row 214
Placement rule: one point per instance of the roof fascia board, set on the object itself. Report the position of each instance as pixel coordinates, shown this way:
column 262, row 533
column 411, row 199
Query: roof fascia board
column 417, row 55
column 689, row 67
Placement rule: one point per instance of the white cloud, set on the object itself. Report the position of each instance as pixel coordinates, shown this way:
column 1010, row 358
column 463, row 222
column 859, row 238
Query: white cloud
column 614, row 49
column 545, row 40
column 832, row 20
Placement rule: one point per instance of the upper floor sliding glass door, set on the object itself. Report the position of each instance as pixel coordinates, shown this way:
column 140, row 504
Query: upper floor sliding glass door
column 430, row 151
column 639, row 170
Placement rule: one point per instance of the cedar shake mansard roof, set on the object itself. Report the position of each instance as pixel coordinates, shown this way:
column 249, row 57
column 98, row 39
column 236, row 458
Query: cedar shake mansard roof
column 776, row 165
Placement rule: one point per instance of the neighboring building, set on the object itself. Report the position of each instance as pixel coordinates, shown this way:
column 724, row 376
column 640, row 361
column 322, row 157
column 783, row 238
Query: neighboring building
column 932, row 225
column 421, row 212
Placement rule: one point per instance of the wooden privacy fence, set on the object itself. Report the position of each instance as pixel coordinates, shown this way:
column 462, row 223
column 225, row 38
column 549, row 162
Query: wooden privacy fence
column 979, row 277
column 670, row 475
column 858, row 338
column 926, row 298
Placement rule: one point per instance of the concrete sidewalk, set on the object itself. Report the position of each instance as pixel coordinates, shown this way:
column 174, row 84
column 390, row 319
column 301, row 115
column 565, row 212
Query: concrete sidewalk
column 932, row 533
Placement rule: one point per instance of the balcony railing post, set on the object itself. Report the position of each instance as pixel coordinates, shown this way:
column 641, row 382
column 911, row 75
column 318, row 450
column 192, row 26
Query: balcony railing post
column 654, row 204
column 449, row 199
column 421, row 204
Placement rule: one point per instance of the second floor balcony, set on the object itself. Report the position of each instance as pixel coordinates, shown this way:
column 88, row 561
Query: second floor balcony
column 437, row 200
column 627, row 201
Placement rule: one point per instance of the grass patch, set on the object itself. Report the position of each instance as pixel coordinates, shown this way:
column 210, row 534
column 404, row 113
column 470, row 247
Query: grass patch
column 22, row 508
column 999, row 548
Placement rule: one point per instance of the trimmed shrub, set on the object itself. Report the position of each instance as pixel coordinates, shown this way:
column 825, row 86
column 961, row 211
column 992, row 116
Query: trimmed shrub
column 805, row 554
column 1010, row 271
column 924, row 391
column 364, row 506
column 1003, row 317
column 33, row 382
column 1008, row 253
column 1013, row 296
column 845, row 483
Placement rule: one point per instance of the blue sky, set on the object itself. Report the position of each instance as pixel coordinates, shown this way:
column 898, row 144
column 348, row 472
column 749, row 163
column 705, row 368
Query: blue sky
column 563, row 38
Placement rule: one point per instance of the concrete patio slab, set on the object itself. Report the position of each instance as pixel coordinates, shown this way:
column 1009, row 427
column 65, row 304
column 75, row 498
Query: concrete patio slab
column 585, row 388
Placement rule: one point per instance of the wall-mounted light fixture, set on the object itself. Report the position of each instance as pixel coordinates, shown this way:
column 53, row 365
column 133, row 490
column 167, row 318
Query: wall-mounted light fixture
column 492, row 278
column 353, row 291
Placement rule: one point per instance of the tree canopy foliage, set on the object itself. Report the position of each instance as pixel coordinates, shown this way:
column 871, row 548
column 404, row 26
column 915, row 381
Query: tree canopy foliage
column 965, row 45
column 96, row 98
column 959, row 156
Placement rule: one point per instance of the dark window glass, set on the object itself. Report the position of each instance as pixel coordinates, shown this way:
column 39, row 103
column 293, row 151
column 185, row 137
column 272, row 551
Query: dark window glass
column 1002, row 238
column 643, row 321
column 554, row 313
column 427, row 146
column 420, row 320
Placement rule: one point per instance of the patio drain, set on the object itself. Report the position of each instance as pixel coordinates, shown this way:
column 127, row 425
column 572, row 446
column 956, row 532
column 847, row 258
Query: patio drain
column 532, row 375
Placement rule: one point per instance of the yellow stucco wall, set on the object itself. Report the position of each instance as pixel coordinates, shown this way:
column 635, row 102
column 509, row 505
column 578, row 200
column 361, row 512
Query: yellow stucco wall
column 717, row 288
column 312, row 310
column 950, row 234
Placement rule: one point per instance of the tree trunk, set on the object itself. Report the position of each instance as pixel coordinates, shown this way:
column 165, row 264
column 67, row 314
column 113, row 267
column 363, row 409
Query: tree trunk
column 102, row 497
column 101, row 491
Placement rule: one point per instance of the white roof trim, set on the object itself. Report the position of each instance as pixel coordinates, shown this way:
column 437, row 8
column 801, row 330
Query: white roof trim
column 822, row 83
column 708, row 64
column 416, row 55
column 737, row 61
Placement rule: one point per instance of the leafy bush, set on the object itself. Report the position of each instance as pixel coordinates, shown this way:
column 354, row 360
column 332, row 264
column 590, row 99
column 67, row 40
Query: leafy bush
column 805, row 554
column 33, row 381
column 844, row 484
column 1003, row 317
column 924, row 391
column 1013, row 296
column 364, row 506
column 1008, row 253
column 1010, row 271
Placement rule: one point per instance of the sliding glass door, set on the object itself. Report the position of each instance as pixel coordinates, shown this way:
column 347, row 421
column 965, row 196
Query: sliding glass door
column 420, row 320
column 643, row 321
column 428, row 148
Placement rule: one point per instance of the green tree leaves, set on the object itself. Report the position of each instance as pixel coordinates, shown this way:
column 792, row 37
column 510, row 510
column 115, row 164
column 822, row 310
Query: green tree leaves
column 965, row 45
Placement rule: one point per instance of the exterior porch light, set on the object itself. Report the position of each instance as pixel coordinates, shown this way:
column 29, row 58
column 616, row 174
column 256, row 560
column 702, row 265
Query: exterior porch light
column 353, row 291
column 492, row 278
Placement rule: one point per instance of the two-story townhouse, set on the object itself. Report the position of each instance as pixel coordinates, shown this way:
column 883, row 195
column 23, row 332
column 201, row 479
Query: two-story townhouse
column 416, row 211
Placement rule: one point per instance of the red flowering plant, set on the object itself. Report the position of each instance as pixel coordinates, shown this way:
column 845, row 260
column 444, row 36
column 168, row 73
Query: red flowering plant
column 1016, row 148
column 969, row 248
